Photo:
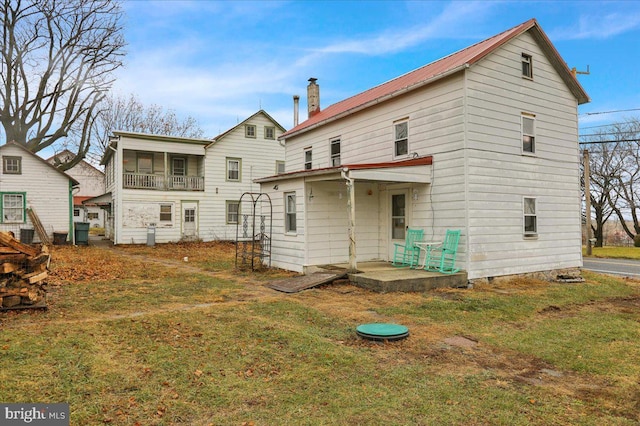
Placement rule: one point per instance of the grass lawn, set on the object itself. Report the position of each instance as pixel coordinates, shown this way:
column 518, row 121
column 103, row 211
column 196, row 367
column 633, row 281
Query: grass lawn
column 614, row 252
column 133, row 341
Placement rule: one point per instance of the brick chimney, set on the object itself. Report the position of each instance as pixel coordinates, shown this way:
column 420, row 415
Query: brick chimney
column 313, row 97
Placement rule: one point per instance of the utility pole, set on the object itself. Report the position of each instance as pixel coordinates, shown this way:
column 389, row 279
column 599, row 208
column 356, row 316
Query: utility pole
column 587, row 197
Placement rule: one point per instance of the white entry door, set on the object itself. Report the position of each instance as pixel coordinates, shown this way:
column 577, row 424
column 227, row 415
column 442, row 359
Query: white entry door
column 399, row 208
column 189, row 220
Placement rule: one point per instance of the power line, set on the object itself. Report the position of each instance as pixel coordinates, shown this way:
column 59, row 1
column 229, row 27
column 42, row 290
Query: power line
column 610, row 112
column 603, row 142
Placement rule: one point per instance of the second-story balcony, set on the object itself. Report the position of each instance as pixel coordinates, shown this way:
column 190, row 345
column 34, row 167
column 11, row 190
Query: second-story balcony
column 159, row 182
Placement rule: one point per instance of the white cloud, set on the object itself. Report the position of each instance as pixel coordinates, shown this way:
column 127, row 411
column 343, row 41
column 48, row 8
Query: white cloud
column 599, row 26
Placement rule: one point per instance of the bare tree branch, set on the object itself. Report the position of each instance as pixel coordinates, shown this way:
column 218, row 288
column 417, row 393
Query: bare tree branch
column 56, row 60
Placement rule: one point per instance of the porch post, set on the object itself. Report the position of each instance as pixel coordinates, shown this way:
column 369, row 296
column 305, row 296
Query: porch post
column 351, row 207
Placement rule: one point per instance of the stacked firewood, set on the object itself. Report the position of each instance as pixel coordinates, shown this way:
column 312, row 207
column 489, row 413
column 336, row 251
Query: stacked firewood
column 23, row 273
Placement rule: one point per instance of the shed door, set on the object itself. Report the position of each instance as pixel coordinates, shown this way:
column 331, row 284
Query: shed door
column 189, row 220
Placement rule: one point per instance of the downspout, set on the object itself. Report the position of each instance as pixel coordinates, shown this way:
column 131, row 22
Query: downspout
column 71, row 234
column 351, row 209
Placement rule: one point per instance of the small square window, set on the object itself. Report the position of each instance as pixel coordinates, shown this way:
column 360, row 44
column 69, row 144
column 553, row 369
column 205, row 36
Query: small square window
column 250, row 131
column 528, row 134
column 527, row 66
column 530, row 218
column 401, row 144
column 166, row 213
column 269, row 132
column 335, row 152
column 308, row 157
column 12, row 165
column 279, row 167
column 233, row 169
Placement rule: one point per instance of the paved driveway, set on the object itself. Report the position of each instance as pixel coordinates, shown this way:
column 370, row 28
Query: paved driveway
column 624, row 267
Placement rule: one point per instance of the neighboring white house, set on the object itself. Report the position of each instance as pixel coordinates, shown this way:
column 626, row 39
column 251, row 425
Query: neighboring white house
column 183, row 188
column 484, row 140
column 29, row 182
column 91, row 185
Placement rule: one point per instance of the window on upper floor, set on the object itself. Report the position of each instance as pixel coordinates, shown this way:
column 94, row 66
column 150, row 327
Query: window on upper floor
column 528, row 133
column 335, row 152
column 144, row 163
column 527, row 66
column 233, row 212
column 290, row 219
column 401, row 138
column 13, row 207
column 279, row 167
column 530, row 217
column 76, row 212
column 11, row 165
column 233, row 169
column 269, row 132
column 249, row 131
column 308, row 159
column 178, row 166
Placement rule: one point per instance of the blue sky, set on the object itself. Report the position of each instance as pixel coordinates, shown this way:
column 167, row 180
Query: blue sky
column 220, row 62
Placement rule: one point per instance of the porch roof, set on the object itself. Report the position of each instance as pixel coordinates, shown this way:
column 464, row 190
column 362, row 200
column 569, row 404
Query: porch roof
column 414, row 170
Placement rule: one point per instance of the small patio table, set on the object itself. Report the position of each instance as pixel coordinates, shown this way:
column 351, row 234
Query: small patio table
column 424, row 246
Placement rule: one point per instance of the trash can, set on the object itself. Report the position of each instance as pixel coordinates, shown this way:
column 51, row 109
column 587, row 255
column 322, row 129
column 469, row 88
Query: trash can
column 60, row 238
column 151, row 235
column 26, row 236
column 82, row 233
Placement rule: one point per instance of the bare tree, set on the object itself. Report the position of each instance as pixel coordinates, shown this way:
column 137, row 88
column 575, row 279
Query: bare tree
column 615, row 176
column 56, row 64
column 129, row 114
column 627, row 180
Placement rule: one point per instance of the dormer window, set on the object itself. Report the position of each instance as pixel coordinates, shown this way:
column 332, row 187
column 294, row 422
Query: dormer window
column 527, row 66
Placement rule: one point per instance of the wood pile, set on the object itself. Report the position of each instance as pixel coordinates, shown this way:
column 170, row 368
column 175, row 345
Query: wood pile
column 23, row 274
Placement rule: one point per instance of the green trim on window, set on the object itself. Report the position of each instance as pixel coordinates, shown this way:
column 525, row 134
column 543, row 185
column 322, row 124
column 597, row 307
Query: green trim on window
column 24, row 205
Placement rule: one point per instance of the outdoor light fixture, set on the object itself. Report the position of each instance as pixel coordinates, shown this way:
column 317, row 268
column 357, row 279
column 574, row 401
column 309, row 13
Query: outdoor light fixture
column 275, row 187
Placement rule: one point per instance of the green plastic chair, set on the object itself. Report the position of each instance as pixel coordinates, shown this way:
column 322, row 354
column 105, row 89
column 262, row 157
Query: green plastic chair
column 408, row 254
column 442, row 257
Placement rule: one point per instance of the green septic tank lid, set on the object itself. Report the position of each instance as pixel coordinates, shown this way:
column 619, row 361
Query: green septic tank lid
column 382, row 331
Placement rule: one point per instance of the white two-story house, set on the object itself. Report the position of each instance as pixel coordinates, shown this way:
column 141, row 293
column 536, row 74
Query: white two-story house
column 184, row 188
column 484, row 140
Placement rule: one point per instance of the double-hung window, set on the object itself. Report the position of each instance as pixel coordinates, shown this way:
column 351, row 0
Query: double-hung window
column 233, row 169
column 530, row 217
column 335, row 152
column 308, row 159
column 527, row 66
column 290, row 225
column 401, row 139
column 279, row 167
column 528, row 133
column 233, row 212
column 166, row 213
column 13, row 207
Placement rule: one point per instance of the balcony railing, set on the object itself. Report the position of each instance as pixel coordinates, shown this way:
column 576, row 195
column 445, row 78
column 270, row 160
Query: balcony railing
column 158, row 182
